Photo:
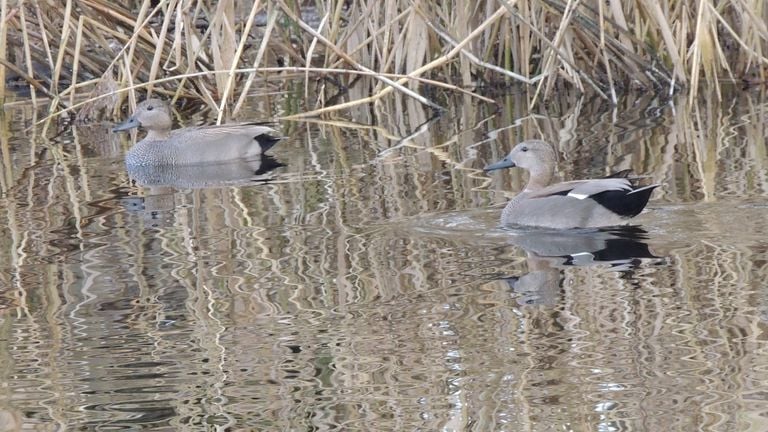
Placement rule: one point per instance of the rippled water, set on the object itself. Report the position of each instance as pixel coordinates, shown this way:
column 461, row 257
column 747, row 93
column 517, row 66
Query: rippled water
column 360, row 281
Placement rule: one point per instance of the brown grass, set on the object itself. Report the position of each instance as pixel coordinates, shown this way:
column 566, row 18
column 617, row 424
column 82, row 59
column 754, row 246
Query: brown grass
column 220, row 51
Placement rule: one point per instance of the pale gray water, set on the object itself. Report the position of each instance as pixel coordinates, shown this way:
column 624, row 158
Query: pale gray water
column 365, row 285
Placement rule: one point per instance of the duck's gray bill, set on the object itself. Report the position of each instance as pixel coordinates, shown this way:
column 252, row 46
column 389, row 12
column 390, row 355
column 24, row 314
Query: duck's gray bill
column 504, row 163
column 128, row 124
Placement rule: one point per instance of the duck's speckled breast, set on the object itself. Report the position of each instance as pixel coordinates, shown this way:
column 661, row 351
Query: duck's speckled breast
column 153, row 152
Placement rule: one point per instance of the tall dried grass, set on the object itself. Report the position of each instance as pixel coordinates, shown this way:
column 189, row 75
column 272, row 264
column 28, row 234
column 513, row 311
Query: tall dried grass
column 219, row 51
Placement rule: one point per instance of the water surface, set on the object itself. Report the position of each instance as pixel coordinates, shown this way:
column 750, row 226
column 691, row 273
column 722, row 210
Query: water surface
column 360, row 280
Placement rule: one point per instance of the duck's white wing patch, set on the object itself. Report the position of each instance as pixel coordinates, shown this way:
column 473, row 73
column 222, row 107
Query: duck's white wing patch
column 644, row 188
column 581, row 189
column 573, row 194
column 587, row 188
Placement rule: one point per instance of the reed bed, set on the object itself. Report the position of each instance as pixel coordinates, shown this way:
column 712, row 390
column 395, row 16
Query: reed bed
column 94, row 53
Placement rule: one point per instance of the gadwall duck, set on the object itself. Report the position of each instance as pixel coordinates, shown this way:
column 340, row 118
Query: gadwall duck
column 575, row 204
column 192, row 145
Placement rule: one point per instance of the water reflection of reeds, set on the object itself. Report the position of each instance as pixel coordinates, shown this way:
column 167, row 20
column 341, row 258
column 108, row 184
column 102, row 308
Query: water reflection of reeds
column 313, row 297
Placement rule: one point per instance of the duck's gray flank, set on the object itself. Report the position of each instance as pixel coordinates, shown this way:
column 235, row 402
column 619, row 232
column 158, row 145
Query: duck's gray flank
column 573, row 204
column 192, row 145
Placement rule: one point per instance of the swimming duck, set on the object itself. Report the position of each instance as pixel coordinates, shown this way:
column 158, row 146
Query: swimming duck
column 574, row 204
column 192, row 145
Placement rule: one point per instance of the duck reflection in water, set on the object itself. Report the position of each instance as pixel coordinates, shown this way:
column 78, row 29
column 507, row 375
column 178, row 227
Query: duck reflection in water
column 238, row 172
column 619, row 249
column 161, row 182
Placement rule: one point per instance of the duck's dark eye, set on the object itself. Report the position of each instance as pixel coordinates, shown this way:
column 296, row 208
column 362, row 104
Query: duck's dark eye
column 524, row 148
column 150, row 107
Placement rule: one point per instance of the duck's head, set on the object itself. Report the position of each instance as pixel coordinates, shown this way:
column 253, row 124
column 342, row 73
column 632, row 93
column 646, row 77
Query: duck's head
column 152, row 114
column 531, row 155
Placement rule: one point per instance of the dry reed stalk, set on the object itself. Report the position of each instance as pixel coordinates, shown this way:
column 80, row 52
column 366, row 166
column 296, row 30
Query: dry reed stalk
column 702, row 46
column 195, row 53
column 660, row 20
column 362, row 44
column 758, row 32
column 76, row 61
column 142, row 18
column 223, row 40
column 3, row 46
column 161, row 39
column 271, row 21
column 606, row 62
column 27, row 52
column 62, row 44
column 310, row 53
column 43, row 35
column 556, row 51
column 229, row 86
